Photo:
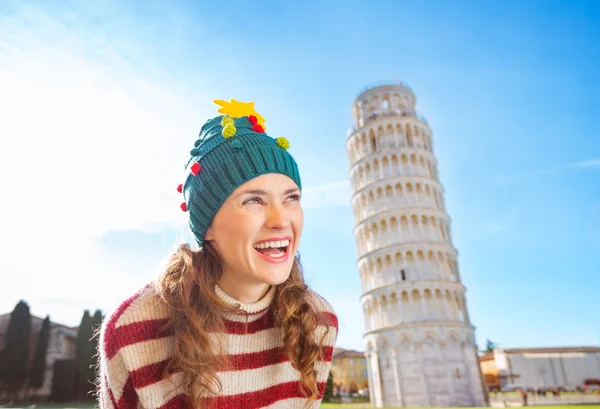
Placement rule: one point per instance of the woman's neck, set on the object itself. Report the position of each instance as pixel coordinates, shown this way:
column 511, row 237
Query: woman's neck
column 247, row 308
column 249, row 294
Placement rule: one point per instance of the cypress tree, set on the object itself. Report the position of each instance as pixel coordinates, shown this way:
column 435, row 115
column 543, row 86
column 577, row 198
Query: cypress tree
column 489, row 346
column 15, row 354
column 38, row 368
column 84, row 358
column 328, row 388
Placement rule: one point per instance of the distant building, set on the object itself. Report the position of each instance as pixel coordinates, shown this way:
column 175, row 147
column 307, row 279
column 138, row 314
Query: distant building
column 62, row 344
column 349, row 369
column 489, row 372
column 540, row 367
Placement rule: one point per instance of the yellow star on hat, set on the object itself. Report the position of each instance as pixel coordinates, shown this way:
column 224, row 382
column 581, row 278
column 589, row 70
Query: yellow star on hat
column 238, row 109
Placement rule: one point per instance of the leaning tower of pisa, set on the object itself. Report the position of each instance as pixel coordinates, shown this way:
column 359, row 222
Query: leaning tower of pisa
column 420, row 344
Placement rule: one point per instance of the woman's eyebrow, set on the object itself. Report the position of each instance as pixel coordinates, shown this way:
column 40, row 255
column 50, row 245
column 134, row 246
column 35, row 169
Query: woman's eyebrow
column 252, row 192
column 260, row 192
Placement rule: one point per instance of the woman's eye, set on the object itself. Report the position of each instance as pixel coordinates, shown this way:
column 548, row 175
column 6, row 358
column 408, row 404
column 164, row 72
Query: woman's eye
column 294, row 198
column 253, row 200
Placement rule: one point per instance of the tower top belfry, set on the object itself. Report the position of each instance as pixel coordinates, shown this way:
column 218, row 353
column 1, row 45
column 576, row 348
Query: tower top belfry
column 383, row 99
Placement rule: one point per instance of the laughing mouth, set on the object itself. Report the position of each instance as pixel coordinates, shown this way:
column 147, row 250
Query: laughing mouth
column 274, row 249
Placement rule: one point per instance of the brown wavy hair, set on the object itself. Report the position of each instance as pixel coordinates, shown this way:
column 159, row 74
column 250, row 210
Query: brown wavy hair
column 187, row 287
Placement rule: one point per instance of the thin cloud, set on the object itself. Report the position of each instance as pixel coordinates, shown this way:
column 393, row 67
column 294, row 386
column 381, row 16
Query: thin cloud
column 594, row 163
column 581, row 165
column 584, row 165
column 492, row 228
column 496, row 227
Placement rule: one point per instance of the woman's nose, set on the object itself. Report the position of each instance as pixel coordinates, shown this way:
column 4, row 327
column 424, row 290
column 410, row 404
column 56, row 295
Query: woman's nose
column 277, row 217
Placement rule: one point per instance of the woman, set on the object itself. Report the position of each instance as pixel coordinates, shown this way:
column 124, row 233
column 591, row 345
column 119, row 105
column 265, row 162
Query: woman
column 233, row 324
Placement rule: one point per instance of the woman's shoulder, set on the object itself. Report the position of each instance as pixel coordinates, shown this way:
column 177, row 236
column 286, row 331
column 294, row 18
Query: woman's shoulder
column 324, row 309
column 140, row 317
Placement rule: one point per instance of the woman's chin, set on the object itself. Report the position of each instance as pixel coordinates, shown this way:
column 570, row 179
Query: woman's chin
column 275, row 275
column 276, row 279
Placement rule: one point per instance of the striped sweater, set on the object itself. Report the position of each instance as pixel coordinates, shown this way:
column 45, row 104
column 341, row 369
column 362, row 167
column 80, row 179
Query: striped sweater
column 133, row 352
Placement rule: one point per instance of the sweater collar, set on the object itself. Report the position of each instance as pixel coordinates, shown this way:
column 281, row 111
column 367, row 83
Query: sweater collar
column 252, row 308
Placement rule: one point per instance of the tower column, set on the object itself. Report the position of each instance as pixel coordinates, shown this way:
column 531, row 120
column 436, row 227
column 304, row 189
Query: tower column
column 423, row 309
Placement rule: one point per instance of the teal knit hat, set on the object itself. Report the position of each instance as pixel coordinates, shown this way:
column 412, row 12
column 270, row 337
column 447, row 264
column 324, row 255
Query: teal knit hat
column 231, row 150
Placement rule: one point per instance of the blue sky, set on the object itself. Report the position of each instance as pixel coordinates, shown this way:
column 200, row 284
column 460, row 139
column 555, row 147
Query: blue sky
column 101, row 103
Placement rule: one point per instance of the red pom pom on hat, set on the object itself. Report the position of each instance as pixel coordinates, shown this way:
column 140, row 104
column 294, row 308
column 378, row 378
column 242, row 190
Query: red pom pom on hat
column 195, row 168
column 180, row 188
column 184, row 207
column 252, row 119
column 258, row 128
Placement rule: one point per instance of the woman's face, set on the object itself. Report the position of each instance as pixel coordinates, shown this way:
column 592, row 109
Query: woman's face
column 257, row 230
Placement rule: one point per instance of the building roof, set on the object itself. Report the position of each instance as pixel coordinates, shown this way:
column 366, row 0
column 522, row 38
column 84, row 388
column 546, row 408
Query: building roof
column 37, row 320
column 486, row 356
column 347, row 353
column 550, row 350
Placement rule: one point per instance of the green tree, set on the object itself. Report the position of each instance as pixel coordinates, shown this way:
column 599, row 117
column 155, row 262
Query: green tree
column 38, row 368
column 15, row 354
column 84, row 377
column 489, row 346
column 328, row 388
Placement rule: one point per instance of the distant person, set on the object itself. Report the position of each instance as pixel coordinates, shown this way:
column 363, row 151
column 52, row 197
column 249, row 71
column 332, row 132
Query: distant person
column 524, row 396
column 232, row 324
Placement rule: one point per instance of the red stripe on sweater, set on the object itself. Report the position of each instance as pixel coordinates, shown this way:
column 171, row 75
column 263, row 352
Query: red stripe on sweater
column 129, row 399
column 259, row 399
column 327, row 353
column 112, row 321
column 329, row 319
column 110, row 392
column 267, row 321
column 269, row 357
column 117, row 338
column 149, row 374
column 133, row 333
column 258, row 359
column 153, row 329
column 153, row 373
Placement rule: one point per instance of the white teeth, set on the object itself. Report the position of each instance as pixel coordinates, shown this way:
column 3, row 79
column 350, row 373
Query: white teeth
column 279, row 255
column 272, row 244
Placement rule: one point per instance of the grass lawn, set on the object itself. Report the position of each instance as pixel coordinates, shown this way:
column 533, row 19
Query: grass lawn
column 53, row 405
column 365, row 406
column 324, row 406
